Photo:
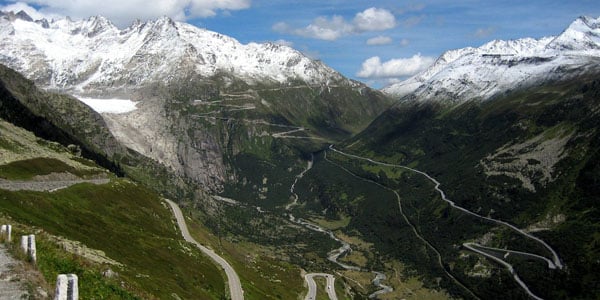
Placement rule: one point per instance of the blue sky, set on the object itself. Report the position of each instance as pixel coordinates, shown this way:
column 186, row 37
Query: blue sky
column 377, row 42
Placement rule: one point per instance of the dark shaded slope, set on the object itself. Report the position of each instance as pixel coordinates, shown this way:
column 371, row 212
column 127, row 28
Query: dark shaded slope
column 529, row 157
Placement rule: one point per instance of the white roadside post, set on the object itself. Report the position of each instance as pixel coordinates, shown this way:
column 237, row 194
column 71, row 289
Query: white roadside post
column 67, row 287
column 28, row 246
column 62, row 284
column 6, row 231
column 32, row 248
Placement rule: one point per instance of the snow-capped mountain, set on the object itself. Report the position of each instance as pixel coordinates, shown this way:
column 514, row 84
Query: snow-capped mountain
column 87, row 54
column 500, row 66
column 190, row 99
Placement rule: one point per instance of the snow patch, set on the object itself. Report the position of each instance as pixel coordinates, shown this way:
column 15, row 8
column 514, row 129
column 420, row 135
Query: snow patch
column 111, row 106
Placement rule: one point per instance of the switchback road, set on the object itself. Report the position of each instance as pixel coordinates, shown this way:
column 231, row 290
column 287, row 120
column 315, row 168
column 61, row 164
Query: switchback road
column 312, row 286
column 554, row 263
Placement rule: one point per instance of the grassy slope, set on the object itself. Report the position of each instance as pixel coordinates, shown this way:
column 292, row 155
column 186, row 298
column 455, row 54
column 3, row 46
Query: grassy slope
column 125, row 220
column 130, row 225
column 263, row 274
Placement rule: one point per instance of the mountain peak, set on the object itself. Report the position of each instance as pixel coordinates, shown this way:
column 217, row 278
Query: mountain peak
column 96, row 25
column 21, row 15
column 582, row 34
column 92, row 54
column 499, row 65
column 24, row 16
column 588, row 21
column 166, row 21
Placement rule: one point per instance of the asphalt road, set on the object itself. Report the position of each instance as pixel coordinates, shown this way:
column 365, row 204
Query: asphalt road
column 42, row 186
column 509, row 267
column 235, row 286
column 312, row 285
column 552, row 264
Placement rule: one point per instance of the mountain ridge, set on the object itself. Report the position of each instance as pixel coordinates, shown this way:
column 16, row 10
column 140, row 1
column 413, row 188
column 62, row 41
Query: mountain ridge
column 501, row 65
column 91, row 54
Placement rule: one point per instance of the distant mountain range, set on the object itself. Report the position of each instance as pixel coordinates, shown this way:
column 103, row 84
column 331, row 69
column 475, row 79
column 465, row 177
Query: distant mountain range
column 93, row 55
column 499, row 66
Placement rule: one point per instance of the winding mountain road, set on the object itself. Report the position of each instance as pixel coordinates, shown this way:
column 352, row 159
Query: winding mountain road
column 509, row 267
column 235, row 286
column 556, row 260
column 414, row 229
column 333, row 255
column 312, row 285
column 552, row 264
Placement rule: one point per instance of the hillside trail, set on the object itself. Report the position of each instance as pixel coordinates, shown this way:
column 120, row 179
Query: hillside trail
column 229, row 108
column 45, row 186
column 554, row 263
column 10, row 285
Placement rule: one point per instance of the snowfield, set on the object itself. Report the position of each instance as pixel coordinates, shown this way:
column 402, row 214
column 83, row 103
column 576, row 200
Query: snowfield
column 111, row 106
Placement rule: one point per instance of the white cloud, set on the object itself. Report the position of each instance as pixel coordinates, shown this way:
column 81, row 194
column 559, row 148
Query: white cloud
column 330, row 29
column 321, row 28
column 400, row 67
column 379, row 40
column 123, row 12
column 404, row 42
column 326, row 29
column 374, row 19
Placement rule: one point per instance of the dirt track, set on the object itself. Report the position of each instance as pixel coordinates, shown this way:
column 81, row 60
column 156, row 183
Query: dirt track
column 10, row 286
